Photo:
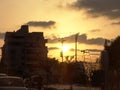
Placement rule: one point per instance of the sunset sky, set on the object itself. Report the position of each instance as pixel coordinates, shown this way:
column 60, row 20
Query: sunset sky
column 94, row 20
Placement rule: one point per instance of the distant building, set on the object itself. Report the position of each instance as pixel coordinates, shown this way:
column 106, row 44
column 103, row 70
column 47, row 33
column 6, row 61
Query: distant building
column 23, row 52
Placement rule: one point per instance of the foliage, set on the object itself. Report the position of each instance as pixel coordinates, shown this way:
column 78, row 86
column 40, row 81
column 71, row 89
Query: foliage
column 97, row 78
column 77, row 73
column 67, row 73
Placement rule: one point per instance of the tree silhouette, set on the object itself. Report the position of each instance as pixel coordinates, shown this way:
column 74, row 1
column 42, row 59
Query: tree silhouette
column 97, row 78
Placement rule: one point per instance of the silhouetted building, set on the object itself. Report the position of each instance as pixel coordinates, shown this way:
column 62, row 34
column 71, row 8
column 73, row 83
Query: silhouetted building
column 110, row 64
column 23, row 52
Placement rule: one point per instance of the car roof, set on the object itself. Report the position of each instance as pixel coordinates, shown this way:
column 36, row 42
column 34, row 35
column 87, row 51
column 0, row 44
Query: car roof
column 3, row 74
column 10, row 77
column 11, row 80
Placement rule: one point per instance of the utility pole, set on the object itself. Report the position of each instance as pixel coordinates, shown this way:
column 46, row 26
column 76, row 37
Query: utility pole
column 62, row 56
column 61, row 53
column 76, row 39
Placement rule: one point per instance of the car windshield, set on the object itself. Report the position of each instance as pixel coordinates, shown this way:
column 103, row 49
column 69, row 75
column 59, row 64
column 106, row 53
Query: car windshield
column 7, row 81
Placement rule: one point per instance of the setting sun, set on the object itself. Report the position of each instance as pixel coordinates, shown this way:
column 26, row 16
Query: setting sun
column 65, row 48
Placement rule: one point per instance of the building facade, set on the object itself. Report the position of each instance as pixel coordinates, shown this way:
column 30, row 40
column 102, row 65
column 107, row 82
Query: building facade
column 23, row 52
column 110, row 64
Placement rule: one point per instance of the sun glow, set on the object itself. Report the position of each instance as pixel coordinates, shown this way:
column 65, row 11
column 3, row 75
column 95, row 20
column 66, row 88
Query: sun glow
column 65, row 48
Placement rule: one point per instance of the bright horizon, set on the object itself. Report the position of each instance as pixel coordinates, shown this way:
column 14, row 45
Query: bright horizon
column 94, row 21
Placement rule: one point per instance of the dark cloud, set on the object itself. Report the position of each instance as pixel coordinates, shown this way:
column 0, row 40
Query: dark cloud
column 68, row 39
column 95, row 30
column 2, row 35
column 52, row 48
column 54, row 40
column 71, row 39
column 116, row 23
column 94, row 50
column 95, row 8
column 82, row 39
column 44, row 24
column 86, row 50
column 98, row 41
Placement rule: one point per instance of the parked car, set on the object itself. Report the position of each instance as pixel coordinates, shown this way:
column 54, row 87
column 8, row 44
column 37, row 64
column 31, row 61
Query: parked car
column 3, row 74
column 11, row 83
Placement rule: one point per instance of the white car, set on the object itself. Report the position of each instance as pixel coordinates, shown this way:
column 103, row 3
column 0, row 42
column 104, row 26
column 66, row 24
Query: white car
column 11, row 83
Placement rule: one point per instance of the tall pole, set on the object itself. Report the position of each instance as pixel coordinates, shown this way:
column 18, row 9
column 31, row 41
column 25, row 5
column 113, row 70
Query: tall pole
column 62, row 41
column 62, row 56
column 61, row 49
column 76, row 39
